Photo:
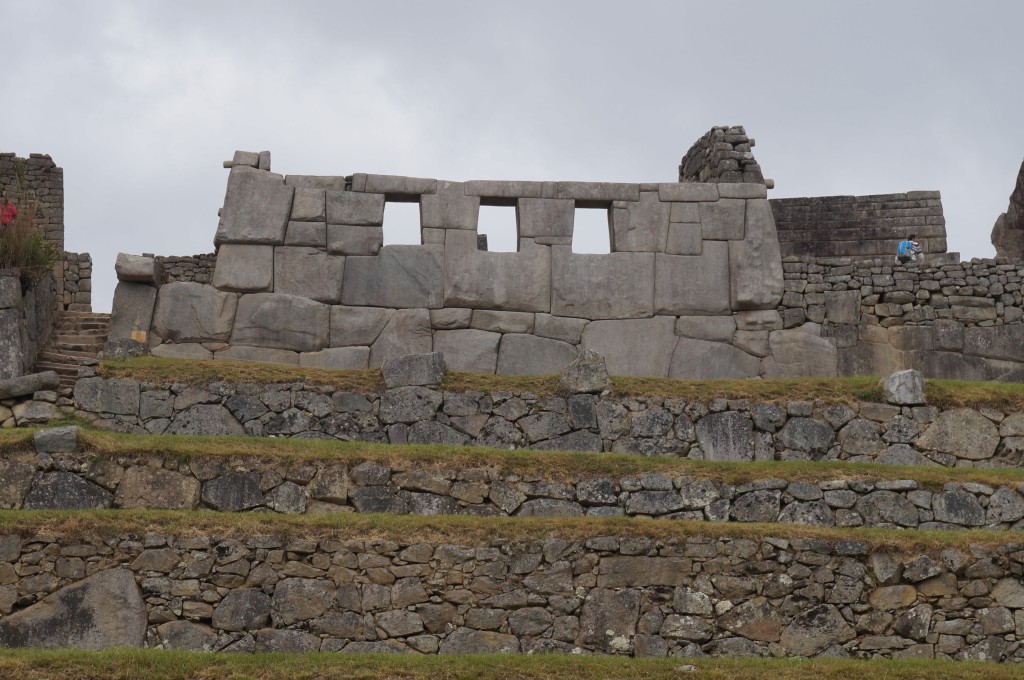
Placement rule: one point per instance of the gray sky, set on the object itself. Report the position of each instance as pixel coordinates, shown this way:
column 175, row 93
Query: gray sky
column 141, row 101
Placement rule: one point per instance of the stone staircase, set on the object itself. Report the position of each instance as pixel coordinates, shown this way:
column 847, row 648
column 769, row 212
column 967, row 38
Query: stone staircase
column 77, row 336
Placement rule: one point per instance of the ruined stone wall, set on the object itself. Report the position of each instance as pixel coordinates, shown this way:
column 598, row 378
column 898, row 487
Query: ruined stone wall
column 687, row 596
column 859, row 226
column 696, row 429
column 188, row 268
column 723, row 154
column 77, row 282
column 302, row 277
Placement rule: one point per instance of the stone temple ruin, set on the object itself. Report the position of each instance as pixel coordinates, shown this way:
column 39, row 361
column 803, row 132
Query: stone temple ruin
column 706, row 278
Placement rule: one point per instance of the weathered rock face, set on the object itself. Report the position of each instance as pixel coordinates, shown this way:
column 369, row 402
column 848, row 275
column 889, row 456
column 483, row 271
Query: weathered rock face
column 1008, row 232
column 103, row 611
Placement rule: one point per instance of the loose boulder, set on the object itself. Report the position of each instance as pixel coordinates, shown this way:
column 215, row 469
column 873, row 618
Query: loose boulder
column 905, row 388
column 586, row 374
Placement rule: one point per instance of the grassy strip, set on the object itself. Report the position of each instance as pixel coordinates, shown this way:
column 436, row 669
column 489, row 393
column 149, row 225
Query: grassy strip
column 169, row 665
column 552, row 464
column 942, row 393
column 78, row 525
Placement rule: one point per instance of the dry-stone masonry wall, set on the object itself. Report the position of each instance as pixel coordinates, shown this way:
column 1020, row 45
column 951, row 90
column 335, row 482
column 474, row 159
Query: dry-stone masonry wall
column 302, row 277
column 67, row 479
column 953, row 320
column 859, row 226
column 699, row 429
column 723, row 154
column 77, row 282
column 688, row 596
column 194, row 268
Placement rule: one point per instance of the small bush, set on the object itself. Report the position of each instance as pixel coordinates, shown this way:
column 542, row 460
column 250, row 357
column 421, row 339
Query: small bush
column 22, row 246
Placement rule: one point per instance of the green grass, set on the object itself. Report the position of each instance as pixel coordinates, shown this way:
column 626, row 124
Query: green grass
column 564, row 465
column 942, row 393
column 168, row 665
column 84, row 525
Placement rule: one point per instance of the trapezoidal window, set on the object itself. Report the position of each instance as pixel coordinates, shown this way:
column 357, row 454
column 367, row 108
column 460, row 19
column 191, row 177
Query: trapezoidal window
column 591, row 229
column 499, row 223
column 402, row 221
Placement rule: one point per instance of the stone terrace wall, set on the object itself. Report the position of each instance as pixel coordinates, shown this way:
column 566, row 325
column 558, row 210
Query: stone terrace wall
column 302, row 277
column 52, row 480
column 38, row 181
column 723, row 154
column 956, row 320
column 859, row 226
column 697, row 429
column 628, row 595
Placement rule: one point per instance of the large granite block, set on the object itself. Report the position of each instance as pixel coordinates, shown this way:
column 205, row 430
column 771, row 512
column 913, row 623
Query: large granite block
column 502, row 281
column 337, row 358
column 703, row 360
column 688, row 191
column 306, row 234
column 693, row 284
column 642, row 227
column 399, row 276
column 244, row 268
column 842, row 306
column 138, row 269
column 132, row 310
column 546, row 217
column 261, row 355
column 800, row 352
column 598, row 191
column 995, row 342
column 529, row 355
column 309, row 205
column 357, row 326
column 183, row 350
column 308, row 272
column 714, row 328
column 256, row 208
column 641, row 347
column 193, row 312
column 559, row 328
column 755, row 263
column 10, row 344
column 723, row 220
column 396, row 184
column 407, row 332
column 449, row 208
column 281, row 322
column 504, row 188
column 684, row 238
column 347, row 239
column 468, row 350
column 349, row 207
column 612, row 286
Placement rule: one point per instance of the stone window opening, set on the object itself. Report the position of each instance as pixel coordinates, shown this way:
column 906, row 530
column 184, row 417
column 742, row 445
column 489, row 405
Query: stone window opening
column 591, row 228
column 499, row 222
column 402, row 220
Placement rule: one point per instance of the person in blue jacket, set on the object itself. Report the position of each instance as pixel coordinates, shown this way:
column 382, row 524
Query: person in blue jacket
column 909, row 250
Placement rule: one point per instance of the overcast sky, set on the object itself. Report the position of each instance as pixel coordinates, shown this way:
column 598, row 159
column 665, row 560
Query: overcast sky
column 141, row 101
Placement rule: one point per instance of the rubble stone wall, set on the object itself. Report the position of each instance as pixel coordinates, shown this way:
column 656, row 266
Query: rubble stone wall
column 859, row 226
column 77, row 282
column 628, row 595
column 697, row 429
column 723, row 154
column 188, row 268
